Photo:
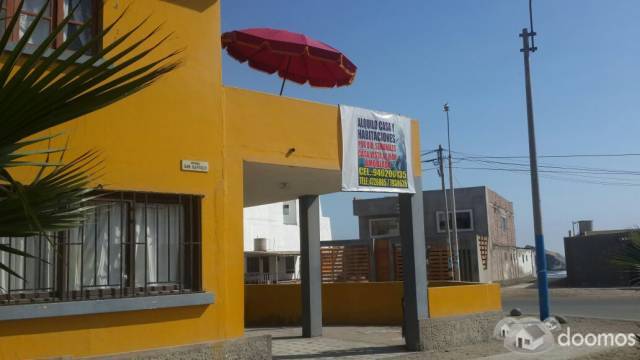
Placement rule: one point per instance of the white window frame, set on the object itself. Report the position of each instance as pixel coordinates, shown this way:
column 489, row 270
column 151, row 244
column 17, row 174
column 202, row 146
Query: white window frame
column 443, row 230
column 383, row 219
column 291, row 215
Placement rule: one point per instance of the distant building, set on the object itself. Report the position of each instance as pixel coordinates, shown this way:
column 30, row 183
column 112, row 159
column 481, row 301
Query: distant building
column 555, row 261
column 486, row 233
column 589, row 257
column 272, row 242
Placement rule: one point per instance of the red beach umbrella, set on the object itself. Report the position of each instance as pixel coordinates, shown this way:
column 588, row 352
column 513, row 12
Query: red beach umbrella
column 294, row 56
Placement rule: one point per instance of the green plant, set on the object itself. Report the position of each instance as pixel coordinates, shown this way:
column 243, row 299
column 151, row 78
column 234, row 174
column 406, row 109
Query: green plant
column 629, row 259
column 47, row 88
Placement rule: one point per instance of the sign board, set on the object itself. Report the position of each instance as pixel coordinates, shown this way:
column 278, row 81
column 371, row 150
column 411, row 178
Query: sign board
column 195, row 166
column 376, row 151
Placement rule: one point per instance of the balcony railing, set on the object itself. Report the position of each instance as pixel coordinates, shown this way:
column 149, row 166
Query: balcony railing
column 270, row 278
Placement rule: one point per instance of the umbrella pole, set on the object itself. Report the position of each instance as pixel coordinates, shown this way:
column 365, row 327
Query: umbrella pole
column 284, row 78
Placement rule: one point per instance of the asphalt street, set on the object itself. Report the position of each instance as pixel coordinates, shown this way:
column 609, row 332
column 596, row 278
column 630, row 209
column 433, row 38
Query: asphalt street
column 618, row 304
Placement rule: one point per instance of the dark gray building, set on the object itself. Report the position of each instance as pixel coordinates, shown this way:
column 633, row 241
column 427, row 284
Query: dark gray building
column 486, row 231
column 589, row 257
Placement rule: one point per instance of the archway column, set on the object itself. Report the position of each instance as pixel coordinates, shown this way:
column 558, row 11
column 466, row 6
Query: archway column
column 310, row 267
column 414, row 267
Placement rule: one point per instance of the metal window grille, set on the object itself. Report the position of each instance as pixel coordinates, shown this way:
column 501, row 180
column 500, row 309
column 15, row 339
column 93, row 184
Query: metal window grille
column 253, row 264
column 53, row 16
column 290, row 264
column 130, row 244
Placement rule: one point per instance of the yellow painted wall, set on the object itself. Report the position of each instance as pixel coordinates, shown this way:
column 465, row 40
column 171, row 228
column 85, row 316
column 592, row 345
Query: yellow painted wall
column 262, row 127
column 455, row 300
column 142, row 140
column 364, row 303
column 187, row 114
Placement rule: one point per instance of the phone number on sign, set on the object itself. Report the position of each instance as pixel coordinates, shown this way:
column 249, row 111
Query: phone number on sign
column 382, row 173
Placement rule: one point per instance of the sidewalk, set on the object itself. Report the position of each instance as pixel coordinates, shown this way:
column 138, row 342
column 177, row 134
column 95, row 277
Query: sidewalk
column 386, row 342
column 344, row 342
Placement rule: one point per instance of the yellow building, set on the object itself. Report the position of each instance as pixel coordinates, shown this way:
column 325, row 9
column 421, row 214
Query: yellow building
column 113, row 294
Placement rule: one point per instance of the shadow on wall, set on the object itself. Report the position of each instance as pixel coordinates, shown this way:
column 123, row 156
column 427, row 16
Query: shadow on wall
column 71, row 323
column 197, row 5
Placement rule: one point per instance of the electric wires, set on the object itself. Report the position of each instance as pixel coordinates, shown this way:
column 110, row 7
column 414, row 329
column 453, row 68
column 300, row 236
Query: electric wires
column 572, row 173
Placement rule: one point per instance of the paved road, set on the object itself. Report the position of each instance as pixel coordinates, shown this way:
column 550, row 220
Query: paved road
column 596, row 303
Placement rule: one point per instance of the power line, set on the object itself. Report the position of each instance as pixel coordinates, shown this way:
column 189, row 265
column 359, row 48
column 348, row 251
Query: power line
column 480, row 156
column 524, row 170
column 582, row 169
column 477, row 156
column 428, row 152
column 558, row 175
column 567, row 173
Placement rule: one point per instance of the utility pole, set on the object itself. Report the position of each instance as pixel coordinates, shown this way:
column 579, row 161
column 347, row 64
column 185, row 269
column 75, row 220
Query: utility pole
column 446, row 205
column 456, row 260
column 541, row 261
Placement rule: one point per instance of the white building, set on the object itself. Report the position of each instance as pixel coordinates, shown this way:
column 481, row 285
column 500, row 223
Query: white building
column 272, row 242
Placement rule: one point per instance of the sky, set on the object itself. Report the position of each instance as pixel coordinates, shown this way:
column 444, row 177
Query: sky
column 413, row 56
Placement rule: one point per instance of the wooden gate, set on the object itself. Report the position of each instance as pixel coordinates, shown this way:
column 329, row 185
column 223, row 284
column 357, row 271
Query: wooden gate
column 345, row 263
column 438, row 263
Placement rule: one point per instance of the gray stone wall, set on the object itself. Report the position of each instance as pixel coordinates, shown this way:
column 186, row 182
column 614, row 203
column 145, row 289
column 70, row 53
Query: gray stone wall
column 448, row 332
column 244, row 348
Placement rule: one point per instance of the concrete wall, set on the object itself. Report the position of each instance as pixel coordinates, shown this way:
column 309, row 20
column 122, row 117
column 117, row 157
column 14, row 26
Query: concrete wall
column 472, row 198
column 509, row 262
column 364, row 303
column 387, row 205
column 589, row 259
column 498, row 208
column 488, row 209
column 444, row 333
column 526, row 258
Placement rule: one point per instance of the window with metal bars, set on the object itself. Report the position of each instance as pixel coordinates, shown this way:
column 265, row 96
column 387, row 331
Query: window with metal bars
column 253, row 264
column 130, row 244
column 56, row 12
column 290, row 264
